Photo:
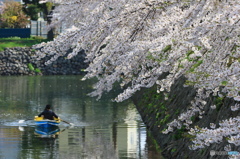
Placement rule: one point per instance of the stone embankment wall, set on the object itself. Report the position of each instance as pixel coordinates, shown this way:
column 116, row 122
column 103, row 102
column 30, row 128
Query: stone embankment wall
column 156, row 112
column 22, row 61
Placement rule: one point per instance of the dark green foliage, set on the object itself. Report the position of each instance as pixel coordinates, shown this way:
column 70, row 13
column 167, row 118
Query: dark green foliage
column 198, row 63
column 32, row 11
column 154, row 142
column 218, row 102
column 32, row 8
column 173, row 150
column 167, row 48
column 179, row 133
column 164, row 120
column 177, row 112
column 224, row 83
column 30, row 66
column 37, row 70
column 189, row 53
column 161, row 57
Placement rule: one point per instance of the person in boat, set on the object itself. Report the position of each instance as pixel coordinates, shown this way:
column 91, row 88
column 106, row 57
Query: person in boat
column 48, row 113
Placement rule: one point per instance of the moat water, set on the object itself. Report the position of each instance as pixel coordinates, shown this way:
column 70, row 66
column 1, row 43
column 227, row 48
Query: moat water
column 102, row 129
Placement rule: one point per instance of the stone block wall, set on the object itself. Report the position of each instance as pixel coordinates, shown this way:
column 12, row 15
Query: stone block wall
column 22, row 61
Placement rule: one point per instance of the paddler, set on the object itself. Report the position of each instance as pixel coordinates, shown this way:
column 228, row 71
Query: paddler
column 48, row 113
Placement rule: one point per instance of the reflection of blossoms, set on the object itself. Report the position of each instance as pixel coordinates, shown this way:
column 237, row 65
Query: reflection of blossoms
column 135, row 42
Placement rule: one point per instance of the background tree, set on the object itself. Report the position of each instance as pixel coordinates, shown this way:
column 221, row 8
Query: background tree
column 1, row 7
column 12, row 15
column 32, row 8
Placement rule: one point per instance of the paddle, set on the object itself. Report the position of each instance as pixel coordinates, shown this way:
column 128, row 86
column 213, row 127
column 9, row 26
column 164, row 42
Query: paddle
column 67, row 122
column 22, row 121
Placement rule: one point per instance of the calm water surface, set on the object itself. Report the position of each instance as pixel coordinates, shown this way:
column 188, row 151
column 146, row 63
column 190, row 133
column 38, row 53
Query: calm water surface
column 102, row 129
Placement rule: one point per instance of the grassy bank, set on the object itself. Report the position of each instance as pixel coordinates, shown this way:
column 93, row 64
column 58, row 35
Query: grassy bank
column 19, row 42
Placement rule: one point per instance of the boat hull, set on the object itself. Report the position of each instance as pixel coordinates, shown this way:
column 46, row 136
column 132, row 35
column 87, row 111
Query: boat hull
column 46, row 123
column 39, row 121
column 46, row 131
column 47, row 128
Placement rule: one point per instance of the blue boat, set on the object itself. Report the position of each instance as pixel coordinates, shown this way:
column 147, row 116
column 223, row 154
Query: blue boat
column 46, row 122
column 47, row 128
column 47, row 131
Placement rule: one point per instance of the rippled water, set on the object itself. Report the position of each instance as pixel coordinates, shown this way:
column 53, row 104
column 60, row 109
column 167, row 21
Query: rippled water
column 102, row 129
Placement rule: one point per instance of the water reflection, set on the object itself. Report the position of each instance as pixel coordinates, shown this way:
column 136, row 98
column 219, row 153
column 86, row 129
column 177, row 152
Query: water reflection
column 103, row 129
column 47, row 132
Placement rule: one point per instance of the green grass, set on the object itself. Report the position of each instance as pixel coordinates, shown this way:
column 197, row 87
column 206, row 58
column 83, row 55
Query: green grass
column 19, row 42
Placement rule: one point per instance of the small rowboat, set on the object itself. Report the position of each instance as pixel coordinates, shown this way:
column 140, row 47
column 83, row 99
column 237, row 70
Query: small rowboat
column 47, row 131
column 46, row 122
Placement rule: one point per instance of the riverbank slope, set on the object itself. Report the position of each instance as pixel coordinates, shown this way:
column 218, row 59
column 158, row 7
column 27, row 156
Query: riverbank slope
column 157, row 111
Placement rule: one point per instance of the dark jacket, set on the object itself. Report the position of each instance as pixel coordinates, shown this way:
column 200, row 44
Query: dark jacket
column 48, row 114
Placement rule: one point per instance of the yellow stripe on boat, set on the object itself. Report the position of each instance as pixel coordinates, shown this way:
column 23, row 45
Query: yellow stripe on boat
column 37, row 118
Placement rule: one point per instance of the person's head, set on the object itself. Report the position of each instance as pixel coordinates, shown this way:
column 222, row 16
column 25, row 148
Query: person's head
column 48, row 106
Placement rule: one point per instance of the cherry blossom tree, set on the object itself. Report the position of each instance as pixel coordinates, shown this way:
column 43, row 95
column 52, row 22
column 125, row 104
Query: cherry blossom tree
column 134, row 42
